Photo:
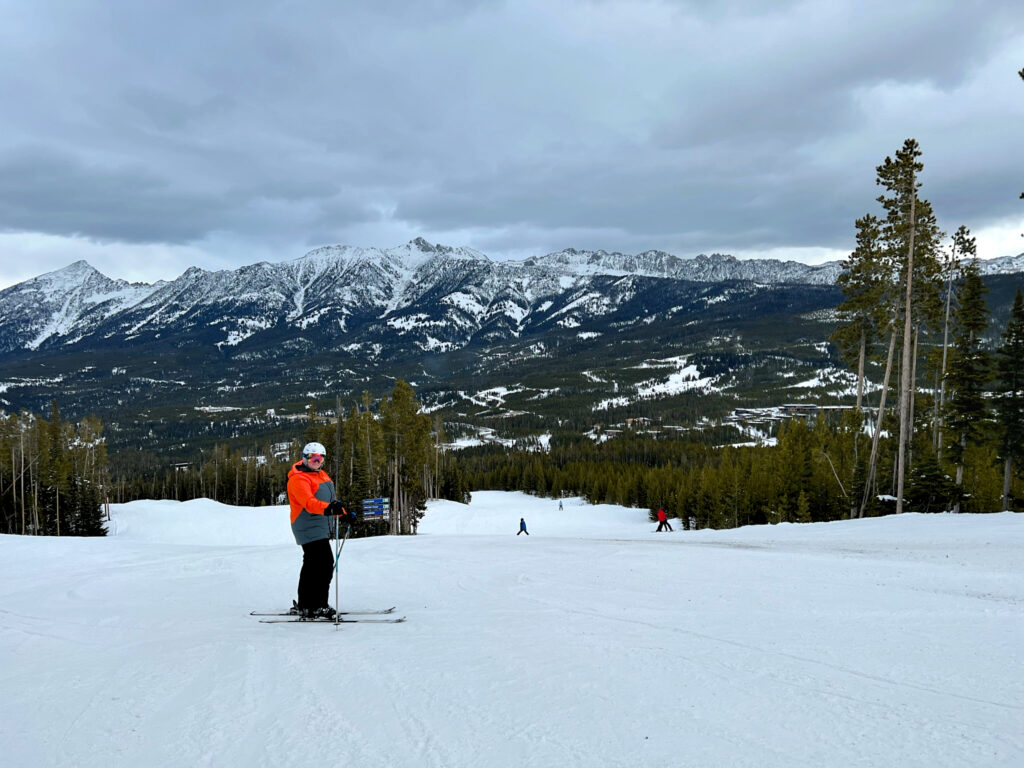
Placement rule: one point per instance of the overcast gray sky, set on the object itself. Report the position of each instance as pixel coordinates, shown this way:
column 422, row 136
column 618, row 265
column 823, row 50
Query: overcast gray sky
column 150, row 136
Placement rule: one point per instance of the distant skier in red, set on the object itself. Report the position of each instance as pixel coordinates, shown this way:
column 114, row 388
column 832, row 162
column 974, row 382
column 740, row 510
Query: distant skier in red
column 662, row 521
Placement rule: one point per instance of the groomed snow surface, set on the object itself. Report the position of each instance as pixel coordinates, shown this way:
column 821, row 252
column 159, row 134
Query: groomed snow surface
column 592, row 642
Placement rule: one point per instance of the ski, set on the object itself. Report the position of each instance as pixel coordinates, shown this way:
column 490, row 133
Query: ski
column 380, row 612
column 399, row 620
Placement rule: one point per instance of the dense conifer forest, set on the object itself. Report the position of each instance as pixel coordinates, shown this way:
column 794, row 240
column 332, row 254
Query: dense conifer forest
column 52, row 475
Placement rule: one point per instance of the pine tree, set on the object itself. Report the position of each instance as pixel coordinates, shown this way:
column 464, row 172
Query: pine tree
column 963, row 246
column 911, row 236
column 969, row 372
column 1010, row 388
column 863, row 282
column 930, row 489
column 407, row 448
column 57, row 471
column 899, row 178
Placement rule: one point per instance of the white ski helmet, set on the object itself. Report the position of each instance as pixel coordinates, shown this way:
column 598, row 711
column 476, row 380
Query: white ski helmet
column 311, row 448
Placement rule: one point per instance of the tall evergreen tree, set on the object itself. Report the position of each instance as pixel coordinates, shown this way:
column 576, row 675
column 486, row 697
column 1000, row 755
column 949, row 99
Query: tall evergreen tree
column 407, row 448
column 1010, row 388
column 863, row 282
column 911, row 234
column 963, row 246
column 969, row 370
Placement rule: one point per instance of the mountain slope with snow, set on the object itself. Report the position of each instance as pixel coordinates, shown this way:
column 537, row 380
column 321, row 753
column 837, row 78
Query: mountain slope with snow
column 66, row 304
column 340, row 288
column 892, row 641
column 428, row 296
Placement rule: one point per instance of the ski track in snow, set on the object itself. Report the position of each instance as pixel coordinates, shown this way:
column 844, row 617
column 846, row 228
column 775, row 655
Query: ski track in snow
column 592, row 642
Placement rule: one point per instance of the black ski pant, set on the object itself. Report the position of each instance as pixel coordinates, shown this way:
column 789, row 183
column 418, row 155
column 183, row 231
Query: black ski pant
column 523, row 530
column 316, row 573
column 665, row 524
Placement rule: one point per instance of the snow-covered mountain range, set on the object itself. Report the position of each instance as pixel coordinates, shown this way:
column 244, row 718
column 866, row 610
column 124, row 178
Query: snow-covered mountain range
column 552, row 339
column 436, row 297
column 448, row 294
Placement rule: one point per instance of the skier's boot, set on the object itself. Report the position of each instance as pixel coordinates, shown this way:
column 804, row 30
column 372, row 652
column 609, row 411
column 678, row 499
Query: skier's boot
column 326, row 612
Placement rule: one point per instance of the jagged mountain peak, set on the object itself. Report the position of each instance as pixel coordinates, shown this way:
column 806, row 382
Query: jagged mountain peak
column 406, row 258
column 423, row 245
column 76, row 267
column 716, row 257
column 81, row 279
column 194, row 272
column 73, row 274
column 419, row 251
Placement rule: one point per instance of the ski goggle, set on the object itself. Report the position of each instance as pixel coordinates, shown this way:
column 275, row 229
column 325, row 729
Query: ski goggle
column 314, row 456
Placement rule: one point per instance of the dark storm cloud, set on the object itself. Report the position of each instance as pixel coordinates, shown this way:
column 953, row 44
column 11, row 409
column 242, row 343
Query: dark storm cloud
column 622, row 192
column 681, row 125
column 48, row 191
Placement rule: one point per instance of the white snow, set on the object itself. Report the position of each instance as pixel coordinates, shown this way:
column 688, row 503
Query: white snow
column 250, row 327
column 484, row 436
column 592, row 642
column 409, row 322
column 838, row 381
column 430, row 344
column 685, row 378
column 491, row 398
column 510, row 309
column 611, row 402
column 466, row 302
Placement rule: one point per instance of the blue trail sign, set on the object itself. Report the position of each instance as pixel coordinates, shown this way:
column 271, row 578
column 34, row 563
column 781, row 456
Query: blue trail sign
column 376, row 507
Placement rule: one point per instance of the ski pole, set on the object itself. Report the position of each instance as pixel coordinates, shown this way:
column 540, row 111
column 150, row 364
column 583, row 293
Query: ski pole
column 337, row 559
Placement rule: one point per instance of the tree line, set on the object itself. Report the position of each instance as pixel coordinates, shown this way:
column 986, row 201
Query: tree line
column 386, row 449
column 395, row 453
column 53, row 475
column 812, row 470
column 242, row 477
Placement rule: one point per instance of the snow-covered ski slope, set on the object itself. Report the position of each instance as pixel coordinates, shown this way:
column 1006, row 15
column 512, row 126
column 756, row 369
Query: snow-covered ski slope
column 592, row 642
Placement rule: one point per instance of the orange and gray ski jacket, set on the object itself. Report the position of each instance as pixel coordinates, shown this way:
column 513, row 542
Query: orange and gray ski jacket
column 309, row 493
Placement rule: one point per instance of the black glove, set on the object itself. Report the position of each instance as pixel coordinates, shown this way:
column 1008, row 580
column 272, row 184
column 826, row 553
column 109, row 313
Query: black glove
column 335, row 508
column 347, row 518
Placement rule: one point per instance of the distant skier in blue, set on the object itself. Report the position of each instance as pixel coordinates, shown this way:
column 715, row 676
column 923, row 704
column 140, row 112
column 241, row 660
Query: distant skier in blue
column 522, row 527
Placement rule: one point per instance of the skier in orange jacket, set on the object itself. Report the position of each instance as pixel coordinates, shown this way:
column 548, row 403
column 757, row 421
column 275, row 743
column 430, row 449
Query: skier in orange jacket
column 311, row 497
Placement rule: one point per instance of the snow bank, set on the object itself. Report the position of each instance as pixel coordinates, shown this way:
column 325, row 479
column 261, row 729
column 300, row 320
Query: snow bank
column 200, row 522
